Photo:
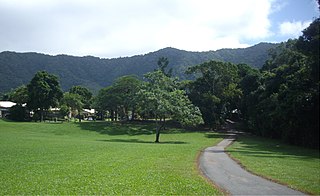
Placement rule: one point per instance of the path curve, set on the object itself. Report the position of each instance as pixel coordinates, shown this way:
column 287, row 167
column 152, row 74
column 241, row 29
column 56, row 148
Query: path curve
column 224, row 172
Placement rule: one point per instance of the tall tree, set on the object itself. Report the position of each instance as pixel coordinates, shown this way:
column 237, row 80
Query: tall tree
column 126, row 88
column 44, row 92
column 161, row 97
column 119, row 98
column 215, row 91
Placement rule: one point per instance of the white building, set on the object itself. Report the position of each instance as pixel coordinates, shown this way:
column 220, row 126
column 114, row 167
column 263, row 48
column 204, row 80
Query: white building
column 4, row 107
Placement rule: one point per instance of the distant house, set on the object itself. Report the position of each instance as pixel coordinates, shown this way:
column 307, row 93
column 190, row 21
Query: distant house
column 88, row 114
column 4, row 108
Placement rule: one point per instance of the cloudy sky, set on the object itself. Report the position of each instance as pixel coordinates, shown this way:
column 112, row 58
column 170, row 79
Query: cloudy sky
column 114, row 28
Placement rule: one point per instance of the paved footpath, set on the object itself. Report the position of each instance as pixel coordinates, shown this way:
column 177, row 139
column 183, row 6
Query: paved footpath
column 229, row 176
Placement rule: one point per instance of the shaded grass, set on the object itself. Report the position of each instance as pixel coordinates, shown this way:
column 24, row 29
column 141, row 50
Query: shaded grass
column 297, row 167
column 100, row 158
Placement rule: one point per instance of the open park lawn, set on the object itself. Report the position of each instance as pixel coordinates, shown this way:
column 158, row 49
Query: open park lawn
column 295, row 166
column 100, row 158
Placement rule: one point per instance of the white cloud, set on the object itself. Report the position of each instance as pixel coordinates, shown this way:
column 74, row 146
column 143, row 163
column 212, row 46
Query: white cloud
column 293, row 29
column 111, row 28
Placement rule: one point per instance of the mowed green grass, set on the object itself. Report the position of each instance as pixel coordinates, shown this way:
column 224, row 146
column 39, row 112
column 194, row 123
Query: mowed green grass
column 100, row 158
column 297, row 167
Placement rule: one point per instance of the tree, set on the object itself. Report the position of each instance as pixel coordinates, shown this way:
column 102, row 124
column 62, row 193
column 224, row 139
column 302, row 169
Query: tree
column 73, row 101
column 215, row 90
column 19, row 95
column 126, row 88
column 18, row 113
column 163, row 63
column 285, row 100
column 85, row 95
column 161, row 97
column 119, row 98
column 44, row 92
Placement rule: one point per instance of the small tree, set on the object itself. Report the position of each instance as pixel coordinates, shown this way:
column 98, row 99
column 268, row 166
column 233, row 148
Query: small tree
column 44, row 92
column 85, row 95
column 160, row 96
column 73, row 101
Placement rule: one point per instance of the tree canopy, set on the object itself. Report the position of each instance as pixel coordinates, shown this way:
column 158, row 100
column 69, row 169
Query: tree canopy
column 44, row 92
column 160, row 97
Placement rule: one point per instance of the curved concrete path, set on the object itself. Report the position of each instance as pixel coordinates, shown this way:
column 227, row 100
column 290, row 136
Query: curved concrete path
column 229, row 176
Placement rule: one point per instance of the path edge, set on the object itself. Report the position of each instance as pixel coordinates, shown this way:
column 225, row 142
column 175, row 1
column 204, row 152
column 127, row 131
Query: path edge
column 205, row 177
column 260, row 175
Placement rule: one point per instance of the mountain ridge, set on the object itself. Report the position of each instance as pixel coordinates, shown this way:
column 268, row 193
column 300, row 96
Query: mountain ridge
column 94, row 72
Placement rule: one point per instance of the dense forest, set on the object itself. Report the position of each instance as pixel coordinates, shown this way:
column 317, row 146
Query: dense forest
column 94, row 73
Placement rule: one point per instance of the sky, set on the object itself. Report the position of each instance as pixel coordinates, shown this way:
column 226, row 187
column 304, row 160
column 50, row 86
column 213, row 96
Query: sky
column 120, row 28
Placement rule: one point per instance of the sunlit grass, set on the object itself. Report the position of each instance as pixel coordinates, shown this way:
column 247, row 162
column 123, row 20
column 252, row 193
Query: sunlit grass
column 295, row 166
column 100, row 158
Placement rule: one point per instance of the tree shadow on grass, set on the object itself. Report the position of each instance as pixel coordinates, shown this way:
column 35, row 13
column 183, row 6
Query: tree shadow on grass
column 128, row 128
column 216, row 135
column 141, row 141
column 117, row 128
column 269, row 148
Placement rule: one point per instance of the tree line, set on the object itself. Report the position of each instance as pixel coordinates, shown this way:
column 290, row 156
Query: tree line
column 280, row 100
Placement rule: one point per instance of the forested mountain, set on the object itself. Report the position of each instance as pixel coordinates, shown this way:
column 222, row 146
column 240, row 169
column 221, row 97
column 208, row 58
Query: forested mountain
column 93, row 72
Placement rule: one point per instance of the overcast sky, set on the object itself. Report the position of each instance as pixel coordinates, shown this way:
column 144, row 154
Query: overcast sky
column 114, row 28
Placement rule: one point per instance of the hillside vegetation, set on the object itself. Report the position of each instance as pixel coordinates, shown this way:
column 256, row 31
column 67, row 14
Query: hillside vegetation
column 93, row 72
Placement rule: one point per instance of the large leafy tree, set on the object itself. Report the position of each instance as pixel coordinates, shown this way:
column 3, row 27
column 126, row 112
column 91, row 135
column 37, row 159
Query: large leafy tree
column 160, row 96
column 44, row 92
column 126, row 88
column 215, row 90
column 84, row 93
column 119, row 98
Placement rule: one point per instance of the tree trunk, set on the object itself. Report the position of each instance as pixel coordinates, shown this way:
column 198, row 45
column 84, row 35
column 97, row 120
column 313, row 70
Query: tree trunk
column 159, row 126
column 112, row 115
column 157, row 134
column 116, row 115
column 79, row 115
column 132, row 114
column 41, row 115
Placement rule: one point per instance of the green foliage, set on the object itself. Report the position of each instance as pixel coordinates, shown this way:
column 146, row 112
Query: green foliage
column 74, row 101
column 284, row 102
column 161, row 97
column 94, row 73
column 215, row 91
column 19, row 95
column 44, row 92
column 85, row 95
column 18, row 113
column 119, row 98
column 64, row 110
column 100, row 158
column 163, row 65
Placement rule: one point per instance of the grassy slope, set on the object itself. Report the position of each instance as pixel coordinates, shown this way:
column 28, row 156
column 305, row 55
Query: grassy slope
column 100, row 158
column 297, row 167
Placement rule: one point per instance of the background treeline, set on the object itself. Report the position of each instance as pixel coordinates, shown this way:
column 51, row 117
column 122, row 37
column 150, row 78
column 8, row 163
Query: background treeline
column 279, row 100
column 94, row 73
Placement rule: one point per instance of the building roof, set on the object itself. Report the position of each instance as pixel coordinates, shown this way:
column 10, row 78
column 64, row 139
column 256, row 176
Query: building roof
column 6, row 104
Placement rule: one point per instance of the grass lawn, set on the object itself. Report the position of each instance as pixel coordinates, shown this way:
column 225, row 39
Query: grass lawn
column 100, row 158
column 295, row 166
